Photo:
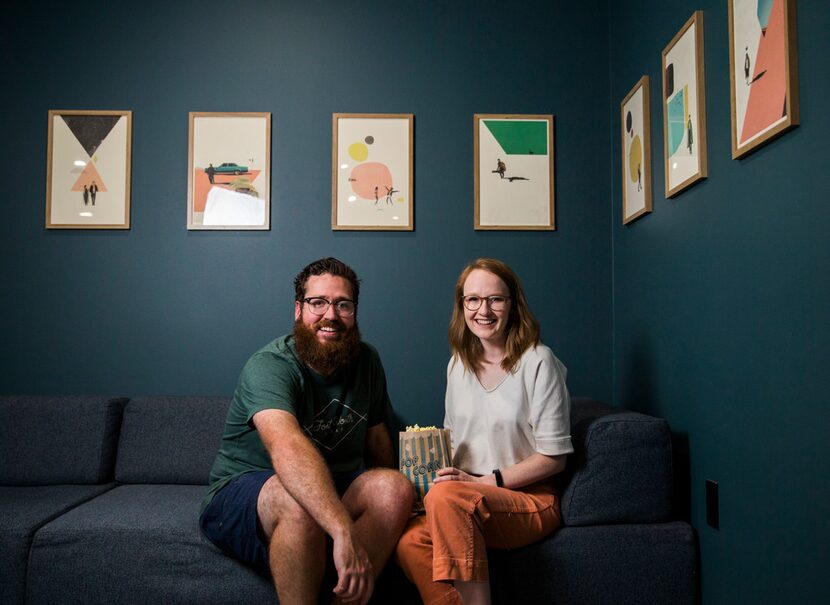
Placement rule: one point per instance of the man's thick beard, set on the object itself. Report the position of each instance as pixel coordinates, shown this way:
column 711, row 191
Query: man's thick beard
column 326, row 357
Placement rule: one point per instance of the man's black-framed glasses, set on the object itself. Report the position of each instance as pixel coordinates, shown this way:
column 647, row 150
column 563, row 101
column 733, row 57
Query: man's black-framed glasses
column 496, row 303
column 319, row 306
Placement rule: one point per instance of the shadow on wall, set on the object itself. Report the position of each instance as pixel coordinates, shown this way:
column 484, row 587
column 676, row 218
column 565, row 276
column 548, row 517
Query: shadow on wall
column 639, row 391
column 637, row 382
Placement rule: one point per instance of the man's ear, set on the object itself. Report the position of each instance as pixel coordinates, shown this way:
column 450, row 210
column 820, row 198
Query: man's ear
column 298, row 309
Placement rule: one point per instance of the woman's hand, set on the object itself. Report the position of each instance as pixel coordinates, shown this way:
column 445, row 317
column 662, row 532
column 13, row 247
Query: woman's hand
column 451, row 473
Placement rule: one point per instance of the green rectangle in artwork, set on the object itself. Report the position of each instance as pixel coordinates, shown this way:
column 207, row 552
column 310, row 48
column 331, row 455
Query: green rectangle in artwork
column 520, row 137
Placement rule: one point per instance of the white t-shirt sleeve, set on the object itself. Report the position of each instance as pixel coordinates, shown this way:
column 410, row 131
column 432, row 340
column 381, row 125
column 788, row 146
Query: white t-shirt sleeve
column 448, row 406
column 550, row 405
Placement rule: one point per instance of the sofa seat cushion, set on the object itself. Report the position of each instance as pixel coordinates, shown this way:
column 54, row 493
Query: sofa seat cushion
column 22, row 511
column 621, row 468
column 58, row 440
column 170, row 439
column 138, row 544
column 648, row 564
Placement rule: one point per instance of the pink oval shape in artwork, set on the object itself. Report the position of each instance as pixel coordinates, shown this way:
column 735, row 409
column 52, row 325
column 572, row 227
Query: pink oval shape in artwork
column 368, row 176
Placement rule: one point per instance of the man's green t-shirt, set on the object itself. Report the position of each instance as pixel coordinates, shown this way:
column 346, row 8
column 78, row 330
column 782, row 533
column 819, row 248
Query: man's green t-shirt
column 334, row 411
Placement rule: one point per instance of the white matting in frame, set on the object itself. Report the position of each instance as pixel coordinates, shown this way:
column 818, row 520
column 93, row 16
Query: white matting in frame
column 88, row 170
column 514, row 181
column 684, row 108
column 229, row 171
column 763, row 70
column 372, row 172
column 636, row 152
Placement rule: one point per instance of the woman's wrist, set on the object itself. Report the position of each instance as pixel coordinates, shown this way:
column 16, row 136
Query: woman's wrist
column 497, row 478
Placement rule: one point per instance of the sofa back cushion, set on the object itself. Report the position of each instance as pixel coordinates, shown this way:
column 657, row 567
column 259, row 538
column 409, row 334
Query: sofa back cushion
column 47, row 440
column 170, row 439
column 621, row 468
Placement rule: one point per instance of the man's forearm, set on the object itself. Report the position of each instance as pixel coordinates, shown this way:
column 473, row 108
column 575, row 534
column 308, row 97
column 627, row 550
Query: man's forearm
column 305, row 475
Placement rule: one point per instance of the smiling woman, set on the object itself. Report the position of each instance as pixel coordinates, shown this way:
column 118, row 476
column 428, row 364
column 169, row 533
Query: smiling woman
column 508, row 411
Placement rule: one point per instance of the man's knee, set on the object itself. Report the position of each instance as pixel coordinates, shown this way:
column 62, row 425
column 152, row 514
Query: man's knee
column 276, row 507
column 392, row 490
column 385, row 491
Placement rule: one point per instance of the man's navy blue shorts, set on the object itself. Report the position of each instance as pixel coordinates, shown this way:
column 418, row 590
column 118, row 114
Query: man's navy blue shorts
column 230, row 519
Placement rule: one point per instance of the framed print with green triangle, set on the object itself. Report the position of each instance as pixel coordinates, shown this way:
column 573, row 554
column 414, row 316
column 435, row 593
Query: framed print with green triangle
column 514, row 180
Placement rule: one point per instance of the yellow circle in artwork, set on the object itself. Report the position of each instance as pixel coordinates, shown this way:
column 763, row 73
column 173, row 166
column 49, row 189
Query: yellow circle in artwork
column 358, row 152
column 635, row 158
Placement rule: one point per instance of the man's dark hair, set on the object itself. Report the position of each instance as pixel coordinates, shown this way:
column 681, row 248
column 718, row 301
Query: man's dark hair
column 330, row 266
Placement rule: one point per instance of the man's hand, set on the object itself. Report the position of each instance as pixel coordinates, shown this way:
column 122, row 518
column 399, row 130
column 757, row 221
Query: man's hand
column 355, row 580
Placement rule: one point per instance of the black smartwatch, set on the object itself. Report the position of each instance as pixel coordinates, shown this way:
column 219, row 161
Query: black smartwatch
column 499, row 480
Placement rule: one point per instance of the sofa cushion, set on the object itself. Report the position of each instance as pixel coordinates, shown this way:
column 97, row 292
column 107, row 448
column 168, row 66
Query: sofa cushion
column 138, row 544
column 22, row 511
column 653, row 564
column 58, row 440
column 621, row 469
column 170, row 439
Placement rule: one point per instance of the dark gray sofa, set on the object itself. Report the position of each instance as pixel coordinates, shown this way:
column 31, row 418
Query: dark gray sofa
column 99, row 501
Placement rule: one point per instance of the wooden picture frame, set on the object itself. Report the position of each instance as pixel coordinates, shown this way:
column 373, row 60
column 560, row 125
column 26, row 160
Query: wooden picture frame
column 229, row 171
column 684, row 108
column 514, row 176
column 635, row 128
column 88, row 169
column 372, row 172
column 763, row 72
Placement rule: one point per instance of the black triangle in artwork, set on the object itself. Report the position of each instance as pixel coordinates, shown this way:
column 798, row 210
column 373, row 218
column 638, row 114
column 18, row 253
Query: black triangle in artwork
column 90, row 130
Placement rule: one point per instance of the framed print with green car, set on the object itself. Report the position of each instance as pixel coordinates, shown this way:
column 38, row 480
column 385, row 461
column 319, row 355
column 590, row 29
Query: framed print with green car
column 636, row 152
column 684, row 108
column 763, row 72
column 372, row 172
column 513, row 164
column 88, row 170
column 229, row 171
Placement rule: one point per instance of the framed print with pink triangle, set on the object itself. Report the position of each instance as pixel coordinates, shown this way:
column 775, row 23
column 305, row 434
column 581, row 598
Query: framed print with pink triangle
column 88, row 170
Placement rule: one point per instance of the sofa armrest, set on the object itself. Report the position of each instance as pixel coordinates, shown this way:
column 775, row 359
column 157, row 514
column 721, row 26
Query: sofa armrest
column 621, row 468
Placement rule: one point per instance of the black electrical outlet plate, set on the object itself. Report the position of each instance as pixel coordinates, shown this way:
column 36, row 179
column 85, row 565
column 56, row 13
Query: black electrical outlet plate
column 712, row 512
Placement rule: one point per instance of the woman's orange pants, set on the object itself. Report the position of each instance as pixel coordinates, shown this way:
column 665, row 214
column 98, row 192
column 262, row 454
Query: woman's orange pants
column 462, row 520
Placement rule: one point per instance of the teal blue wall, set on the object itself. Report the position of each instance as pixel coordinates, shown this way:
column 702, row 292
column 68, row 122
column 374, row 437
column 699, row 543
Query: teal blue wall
column 721, row 322
column 158, row 309
column 711, row 311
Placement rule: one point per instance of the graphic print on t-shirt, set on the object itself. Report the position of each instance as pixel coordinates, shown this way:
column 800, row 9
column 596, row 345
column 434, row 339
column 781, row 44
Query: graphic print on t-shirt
column 333, row 424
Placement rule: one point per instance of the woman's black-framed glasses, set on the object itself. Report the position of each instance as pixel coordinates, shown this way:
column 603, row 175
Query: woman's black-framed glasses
column 319, row 306
column 496, row 303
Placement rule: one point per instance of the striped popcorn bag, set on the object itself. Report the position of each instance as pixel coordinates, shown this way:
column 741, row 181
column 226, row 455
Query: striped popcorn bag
column 422, row 452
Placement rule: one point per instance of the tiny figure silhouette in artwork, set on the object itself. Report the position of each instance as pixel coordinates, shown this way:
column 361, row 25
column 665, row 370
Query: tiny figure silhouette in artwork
column 389, row 192
column 639, row 178
column 376, row 195
column 689, row 137
column 93, row 191
column 746, row 65
column 86, row 195
column 501, row 168
column 211, row 172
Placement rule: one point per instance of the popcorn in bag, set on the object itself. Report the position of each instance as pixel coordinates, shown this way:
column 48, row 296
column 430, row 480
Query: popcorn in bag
column 422, row 452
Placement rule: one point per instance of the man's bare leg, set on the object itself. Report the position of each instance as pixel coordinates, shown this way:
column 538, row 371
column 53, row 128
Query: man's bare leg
column 380, row 502
column 296, row 546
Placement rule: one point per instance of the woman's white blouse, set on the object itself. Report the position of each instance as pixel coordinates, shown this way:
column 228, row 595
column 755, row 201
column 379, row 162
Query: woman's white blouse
column 528, row 412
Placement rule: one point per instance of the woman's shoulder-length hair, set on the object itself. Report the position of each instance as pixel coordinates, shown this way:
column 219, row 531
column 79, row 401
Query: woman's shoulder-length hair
column 522, row 327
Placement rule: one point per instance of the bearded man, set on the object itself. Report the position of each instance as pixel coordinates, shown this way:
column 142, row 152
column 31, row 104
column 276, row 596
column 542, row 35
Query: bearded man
column 298, row 470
